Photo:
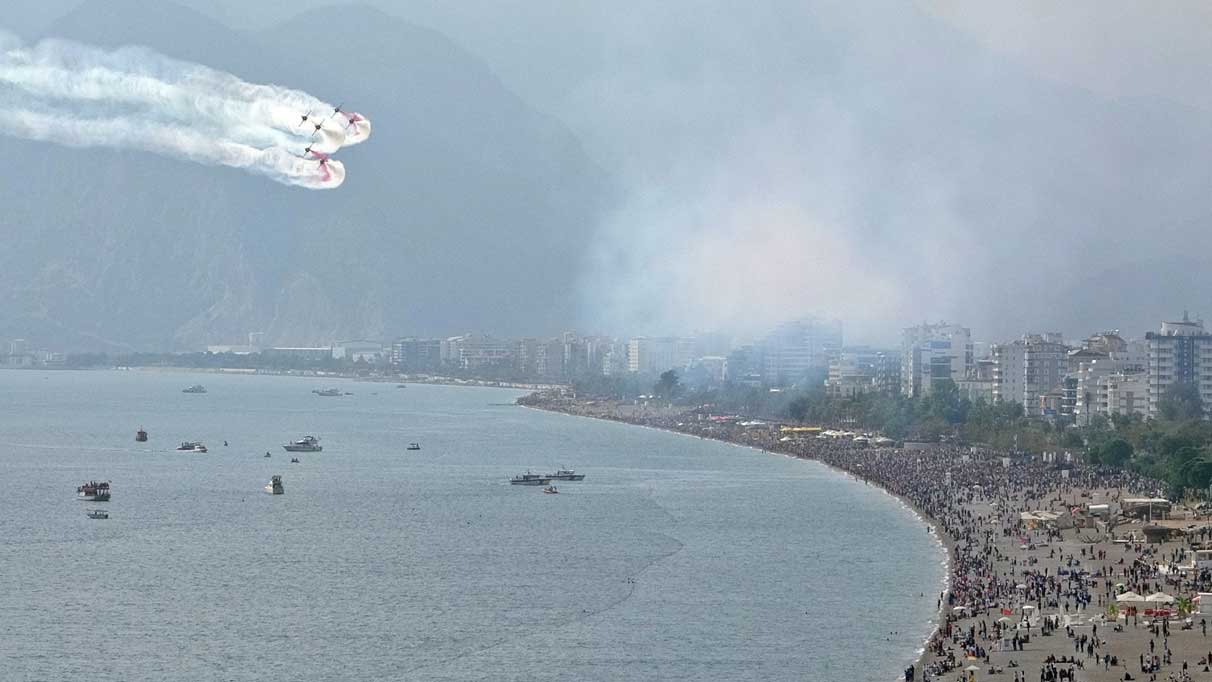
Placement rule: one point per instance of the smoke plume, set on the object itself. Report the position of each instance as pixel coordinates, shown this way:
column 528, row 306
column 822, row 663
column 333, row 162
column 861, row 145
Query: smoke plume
column 134, row 98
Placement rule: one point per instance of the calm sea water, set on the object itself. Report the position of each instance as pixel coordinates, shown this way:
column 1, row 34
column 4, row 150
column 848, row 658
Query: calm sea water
column 676, row 559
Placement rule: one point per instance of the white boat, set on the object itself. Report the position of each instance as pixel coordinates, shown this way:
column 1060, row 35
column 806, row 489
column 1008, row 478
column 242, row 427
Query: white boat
column 550, row 490
column 327, row 392
column 98, row 514
column 274, row 487
column 304, row 444
column 196, row 388
column 191, row 446
column 529, row 479
column 566, row 475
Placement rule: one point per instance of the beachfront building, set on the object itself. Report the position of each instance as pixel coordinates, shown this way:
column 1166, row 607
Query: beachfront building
column 932, row 353
column 653, row 355
column 412, row 354
column 358, row 351
column 1091, row 366
column 1181, row 352
column 858, row 370
column 1029, row 368
column 794, row 349
column 475, row 351
column 1125, row 393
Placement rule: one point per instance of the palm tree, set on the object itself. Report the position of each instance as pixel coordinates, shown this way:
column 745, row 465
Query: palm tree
column 1184, row 605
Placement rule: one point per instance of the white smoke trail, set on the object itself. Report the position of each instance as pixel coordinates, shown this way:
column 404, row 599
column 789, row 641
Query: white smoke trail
column 134, row 98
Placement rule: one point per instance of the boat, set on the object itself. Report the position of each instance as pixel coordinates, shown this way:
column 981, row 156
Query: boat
column 550, row 490
column 94, row 491
column 191, row 446
column 414, row 446
column 268, row 455
column 529, row 479
column 566, row 475
column 294, row 460
column 274, row 487
column 141, row 435
column 304, row 444
column 401, row 385
column 98, row 514
column 327, row 392
column 196, row 388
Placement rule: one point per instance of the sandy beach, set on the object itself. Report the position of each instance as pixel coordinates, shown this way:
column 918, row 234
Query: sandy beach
column 1052, row 574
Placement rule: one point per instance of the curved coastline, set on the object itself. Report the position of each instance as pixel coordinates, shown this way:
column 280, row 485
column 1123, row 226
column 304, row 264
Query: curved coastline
column 934, row 527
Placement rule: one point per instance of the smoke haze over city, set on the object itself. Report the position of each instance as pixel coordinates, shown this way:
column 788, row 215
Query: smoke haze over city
column 717, row 166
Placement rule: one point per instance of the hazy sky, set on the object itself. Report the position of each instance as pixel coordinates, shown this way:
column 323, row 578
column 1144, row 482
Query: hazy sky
column 1020, row 167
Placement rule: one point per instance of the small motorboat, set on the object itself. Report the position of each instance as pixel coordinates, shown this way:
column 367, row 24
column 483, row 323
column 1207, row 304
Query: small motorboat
column 566, row 475
column 294, row 460
column 98, row 514
column 401, row 385
column 550, row 490
column 274, row 487
column 327, row 392
column 414, row 446
column 196, row 388
column 141, row 435
column 191, row 446
column 268, row 455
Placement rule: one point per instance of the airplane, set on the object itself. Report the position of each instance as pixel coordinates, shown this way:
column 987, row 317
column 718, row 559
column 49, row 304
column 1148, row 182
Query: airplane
column 353, row 118
column 324, row 167
column 303, row 118
column 319, row 155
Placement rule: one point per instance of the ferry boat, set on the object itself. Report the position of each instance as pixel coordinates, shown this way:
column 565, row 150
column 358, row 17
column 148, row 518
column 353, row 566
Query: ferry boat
column 141, row 435
column 566, row 475
column 304, row 444
column 98, row 514
column 196, row 388
column 327, row 392
column 414, row 446
column 529, row 479
column 94, row 491
column 550, row 490
column 191, row 446
column 274, row 487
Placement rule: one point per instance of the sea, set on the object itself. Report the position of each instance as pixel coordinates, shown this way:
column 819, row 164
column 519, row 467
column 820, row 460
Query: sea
column 675, row 559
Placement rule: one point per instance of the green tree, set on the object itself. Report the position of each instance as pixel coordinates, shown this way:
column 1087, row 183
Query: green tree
column 1181, row 402
column 668, row 386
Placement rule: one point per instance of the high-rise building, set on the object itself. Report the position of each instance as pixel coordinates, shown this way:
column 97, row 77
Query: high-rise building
column 1031, row 367
column 416, row 355
column 651, row 355
column 931, row 353
column 1181, row 353
column 796, row 348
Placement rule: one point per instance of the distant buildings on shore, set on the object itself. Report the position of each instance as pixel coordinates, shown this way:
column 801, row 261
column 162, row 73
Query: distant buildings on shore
column 1067, row 383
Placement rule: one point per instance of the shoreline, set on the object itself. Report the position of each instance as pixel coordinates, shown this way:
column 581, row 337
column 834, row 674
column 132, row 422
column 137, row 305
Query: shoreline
column 933, row 526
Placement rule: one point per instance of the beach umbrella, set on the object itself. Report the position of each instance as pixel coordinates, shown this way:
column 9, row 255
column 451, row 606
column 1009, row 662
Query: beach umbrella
column 1005, row 619
column 1028, row 607
column 1020, row 586
column 959, row 608
column 1129, row 597
column 1160, row 598
column 972, row 668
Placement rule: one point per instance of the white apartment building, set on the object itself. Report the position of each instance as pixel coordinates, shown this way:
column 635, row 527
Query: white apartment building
column 1026, row 369
column 1124, row 393
column 1180, row 353
column 795, row 348
column 931, row 353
